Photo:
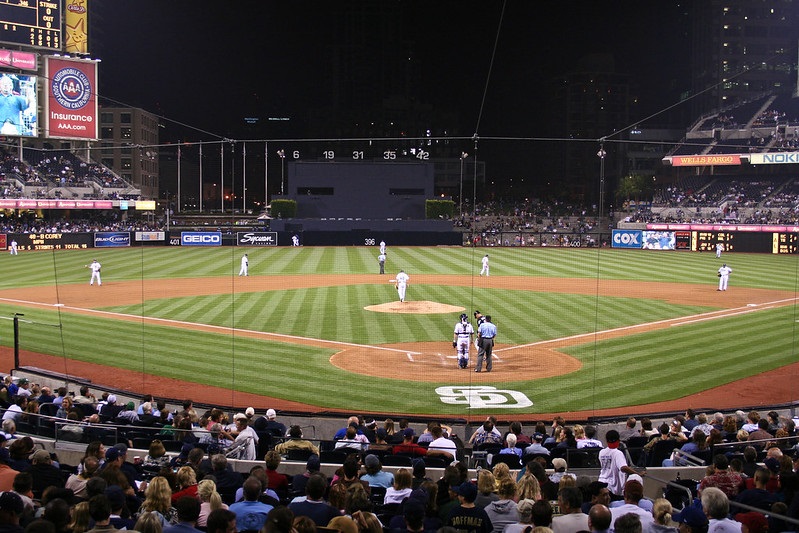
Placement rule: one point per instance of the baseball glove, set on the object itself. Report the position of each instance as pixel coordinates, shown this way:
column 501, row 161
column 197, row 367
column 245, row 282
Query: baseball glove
column 454, row 344
column 719, row 274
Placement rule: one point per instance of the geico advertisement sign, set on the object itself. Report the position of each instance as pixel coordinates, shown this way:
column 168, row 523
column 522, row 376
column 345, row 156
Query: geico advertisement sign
column 627, row 239
column 190, row 238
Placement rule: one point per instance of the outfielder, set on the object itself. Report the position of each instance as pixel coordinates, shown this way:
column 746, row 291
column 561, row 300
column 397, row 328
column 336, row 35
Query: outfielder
column 462, row 339
column 724, row 277
column 95, row 268
column 402, row 284
column 382, row 247
column 485, row 266
column 13, row 248
column 245, row 266
column 719, row 249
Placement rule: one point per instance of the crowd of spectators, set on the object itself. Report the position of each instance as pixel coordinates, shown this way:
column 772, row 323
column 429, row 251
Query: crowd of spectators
column 29, row 223
column 52, row 173
column 526, row 480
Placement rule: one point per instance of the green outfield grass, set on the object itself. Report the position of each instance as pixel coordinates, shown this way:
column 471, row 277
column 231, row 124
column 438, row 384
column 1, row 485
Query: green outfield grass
column 628, row 371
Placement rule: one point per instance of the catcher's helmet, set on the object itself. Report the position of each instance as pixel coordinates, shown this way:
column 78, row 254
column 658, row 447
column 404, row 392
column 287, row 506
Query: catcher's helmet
column 464, row 318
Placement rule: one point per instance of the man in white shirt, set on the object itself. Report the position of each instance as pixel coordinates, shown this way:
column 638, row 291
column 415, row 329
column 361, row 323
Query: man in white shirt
column 245, row 266
column 441, row 446
column 716, row 506
column 633, row 493
column 613, row 464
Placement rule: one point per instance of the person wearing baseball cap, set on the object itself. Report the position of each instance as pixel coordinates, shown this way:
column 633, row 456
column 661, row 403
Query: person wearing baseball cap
column 466, row 516
column 614, row 464
column 691, row 520
column 408, row 446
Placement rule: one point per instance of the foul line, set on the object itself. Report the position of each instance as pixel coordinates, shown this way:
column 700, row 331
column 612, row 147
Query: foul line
column 169, row 321
column 680, row 321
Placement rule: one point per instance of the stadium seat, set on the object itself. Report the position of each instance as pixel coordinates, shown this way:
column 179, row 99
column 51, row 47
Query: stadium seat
column 510, row 459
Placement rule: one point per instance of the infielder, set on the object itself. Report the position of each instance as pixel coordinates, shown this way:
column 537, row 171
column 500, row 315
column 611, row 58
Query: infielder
column 724, row 277
column 382, row 247
column 485, row 266
column 462, row 339
column 402, row 284
column 719, row 249
column 13, row 248
column 245, row 266
column 95, row 268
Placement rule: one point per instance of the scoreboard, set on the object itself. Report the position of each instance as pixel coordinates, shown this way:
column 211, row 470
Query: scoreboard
column 34, row 23
column 742, row 241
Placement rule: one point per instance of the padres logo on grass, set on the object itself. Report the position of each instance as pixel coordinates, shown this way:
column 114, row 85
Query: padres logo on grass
column 480, row 397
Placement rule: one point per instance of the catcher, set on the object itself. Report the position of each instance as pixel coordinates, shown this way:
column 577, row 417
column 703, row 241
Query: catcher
column 462, row 339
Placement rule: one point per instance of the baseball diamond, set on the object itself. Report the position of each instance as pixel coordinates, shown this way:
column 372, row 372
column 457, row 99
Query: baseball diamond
column 583, row 332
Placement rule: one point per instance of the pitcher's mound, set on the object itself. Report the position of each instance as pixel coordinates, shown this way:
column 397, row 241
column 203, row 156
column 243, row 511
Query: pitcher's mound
column 414, row 307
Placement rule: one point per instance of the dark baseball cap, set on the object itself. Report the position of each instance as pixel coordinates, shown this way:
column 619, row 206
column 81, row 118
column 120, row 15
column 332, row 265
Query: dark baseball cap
column 692, row 516
column 467, row 489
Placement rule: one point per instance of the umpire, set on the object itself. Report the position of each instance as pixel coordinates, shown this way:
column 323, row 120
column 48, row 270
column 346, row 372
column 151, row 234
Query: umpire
column 486, row 333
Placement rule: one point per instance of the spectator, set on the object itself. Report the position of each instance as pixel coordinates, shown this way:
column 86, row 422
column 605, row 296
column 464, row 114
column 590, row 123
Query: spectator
column 504, row 510
column 222, row 521
column 296, row 442
column 633, row 494
column 722, row 478
column 314, row 505
column 188, row 510
column 465, row 516
column 401, row 487
column 7, row 474
column 251, row 513
column 375, row 475
column 613, row 464
column 716, row 506
column 44, row 473
column 157, row 499
column 210, row 501
column 572, row 519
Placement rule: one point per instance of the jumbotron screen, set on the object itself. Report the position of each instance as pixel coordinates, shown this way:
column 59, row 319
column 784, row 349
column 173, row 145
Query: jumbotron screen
column 19, row 114
column 31, row 23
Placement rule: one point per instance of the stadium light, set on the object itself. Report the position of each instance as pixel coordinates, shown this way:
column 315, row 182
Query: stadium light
column 282, row 154
column 464, row 155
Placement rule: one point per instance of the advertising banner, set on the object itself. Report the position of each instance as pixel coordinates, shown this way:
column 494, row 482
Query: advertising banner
column 201, row 238
column 71, row 98
column 256, row 238
column 659, row 240
column 627, row 238
column 147, row 236
column 705, row 160
column 76, row 24
column 111, row 239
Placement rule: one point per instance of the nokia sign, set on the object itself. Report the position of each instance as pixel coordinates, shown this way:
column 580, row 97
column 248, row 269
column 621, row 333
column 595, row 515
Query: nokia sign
column 256, row 238
column 201, row 238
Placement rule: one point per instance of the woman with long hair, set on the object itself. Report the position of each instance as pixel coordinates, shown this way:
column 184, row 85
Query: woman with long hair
column 662, row 511
column 210, row 500
column 528, row 488
column 158, row 499
column 80, row 518
column 187, row 483
column 149, row 522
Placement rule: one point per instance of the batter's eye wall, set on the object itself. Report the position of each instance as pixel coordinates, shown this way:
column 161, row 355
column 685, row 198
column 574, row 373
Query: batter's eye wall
column 368, row 190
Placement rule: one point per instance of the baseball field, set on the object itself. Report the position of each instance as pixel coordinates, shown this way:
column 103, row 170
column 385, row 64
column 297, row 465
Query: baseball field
column 580, row 331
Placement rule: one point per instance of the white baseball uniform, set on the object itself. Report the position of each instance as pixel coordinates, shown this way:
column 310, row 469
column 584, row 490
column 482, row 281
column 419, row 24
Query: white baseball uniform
column 13, row 248
column 295, row 241
column 724, row 277
column 245, row 266
column 95, row 268
column 382, row 247
column 402, row 284
column 719, row 249
column 485, row 265
column 463, row 332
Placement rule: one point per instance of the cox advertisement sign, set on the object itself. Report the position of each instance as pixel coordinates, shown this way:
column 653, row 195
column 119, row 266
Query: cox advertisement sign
column 256, row 238
column 109, row 239
column 201, row 238
column 628, row 238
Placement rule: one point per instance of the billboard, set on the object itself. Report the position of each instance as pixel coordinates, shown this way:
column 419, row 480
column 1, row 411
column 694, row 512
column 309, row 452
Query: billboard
column 111, row 239
column 659, row 240
column 256, row 238
column 18, row 110
column 201, row 238
column 71, row 98
column 76, row 24
column 627, row 238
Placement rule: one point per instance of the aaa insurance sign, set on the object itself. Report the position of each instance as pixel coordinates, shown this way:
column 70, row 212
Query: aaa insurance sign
column 71, row 102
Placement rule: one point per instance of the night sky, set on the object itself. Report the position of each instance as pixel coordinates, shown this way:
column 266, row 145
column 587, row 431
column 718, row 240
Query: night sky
column 209, row 64
column 205, row 66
